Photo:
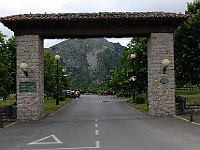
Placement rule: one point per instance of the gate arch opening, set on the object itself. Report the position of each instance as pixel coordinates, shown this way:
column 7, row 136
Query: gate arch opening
column 31, row 29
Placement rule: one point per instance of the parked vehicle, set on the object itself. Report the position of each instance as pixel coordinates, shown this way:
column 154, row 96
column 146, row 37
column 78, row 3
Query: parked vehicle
column 72, row 94
column 68, row 93
column 108, row 93
column 77, row 93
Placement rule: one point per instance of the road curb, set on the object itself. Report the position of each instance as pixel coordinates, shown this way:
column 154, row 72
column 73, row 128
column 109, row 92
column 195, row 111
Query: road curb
column 135, row 108
column 186, row 120
column 45, row 115
column 8, row 125
column 55, row 110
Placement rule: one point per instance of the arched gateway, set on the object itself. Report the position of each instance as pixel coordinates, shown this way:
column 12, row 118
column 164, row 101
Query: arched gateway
column 31, row 29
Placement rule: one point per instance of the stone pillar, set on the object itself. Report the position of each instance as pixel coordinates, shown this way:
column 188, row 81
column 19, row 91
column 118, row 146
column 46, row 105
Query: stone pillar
column 30, row 90
column 161, row 94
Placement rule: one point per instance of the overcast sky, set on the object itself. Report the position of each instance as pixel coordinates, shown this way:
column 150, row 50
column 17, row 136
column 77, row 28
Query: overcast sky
column 13, row 7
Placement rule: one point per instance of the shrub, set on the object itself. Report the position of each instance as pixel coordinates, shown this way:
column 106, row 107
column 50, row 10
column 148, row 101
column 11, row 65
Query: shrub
column 122, row 94
column 62, row 98
column 140, row 100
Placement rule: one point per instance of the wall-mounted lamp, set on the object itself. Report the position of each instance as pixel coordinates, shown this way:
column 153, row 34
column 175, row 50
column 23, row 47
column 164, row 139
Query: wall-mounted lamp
column 156, row 80
column 24, row 66
column 165, row 63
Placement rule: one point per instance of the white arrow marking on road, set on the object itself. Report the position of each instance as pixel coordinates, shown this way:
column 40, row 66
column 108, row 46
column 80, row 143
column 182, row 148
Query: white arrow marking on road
column 74, row 148
column 57, row 141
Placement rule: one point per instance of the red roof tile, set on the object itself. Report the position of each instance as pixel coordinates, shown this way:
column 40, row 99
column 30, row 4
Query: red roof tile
column 93, row 16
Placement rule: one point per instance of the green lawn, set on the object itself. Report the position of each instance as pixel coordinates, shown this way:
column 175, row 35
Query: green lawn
column 191, row 95
column 186, row 92
column 193, row 99
column 7, row 102
column 49, row 104
column 142, row 107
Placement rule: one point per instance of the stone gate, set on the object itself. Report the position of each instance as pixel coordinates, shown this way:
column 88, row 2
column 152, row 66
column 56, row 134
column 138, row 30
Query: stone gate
column 31, row 29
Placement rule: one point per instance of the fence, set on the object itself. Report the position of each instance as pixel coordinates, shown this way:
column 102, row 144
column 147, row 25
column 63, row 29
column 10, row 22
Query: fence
column 8, row 113
column 192, row 107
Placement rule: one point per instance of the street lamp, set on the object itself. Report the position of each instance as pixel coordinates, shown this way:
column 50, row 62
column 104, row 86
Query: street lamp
column 57, row 57
column 63, row 70
column 133, row 56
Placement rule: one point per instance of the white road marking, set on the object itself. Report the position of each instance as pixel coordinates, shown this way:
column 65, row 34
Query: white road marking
column 76, row 148
column 57, row 141
column 96, row 120
column 92, row 101
column 96, row 125
column 97, row 144
column 96, row 132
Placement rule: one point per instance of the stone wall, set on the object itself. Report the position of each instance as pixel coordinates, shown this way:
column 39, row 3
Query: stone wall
column 161, row 87
column 30, row 103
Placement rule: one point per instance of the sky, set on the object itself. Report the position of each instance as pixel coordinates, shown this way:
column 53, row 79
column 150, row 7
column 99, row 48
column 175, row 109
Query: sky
column 14, row 7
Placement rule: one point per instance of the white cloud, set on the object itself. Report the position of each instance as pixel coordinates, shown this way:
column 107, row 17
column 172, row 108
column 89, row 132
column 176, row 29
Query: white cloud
column 48, row 43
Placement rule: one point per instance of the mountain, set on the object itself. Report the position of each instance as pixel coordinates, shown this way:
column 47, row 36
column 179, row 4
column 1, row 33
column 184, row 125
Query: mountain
column 88, row 61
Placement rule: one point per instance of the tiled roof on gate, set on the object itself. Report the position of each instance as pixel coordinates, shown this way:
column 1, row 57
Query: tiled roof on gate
column 93, row 16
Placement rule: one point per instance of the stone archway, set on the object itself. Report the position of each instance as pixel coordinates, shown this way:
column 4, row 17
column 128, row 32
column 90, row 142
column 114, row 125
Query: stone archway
column 31, row 29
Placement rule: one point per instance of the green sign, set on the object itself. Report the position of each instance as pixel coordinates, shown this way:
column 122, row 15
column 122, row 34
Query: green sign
column 164, row 81
column 27, row 87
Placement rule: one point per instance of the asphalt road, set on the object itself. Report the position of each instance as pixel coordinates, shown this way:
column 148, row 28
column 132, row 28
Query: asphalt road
column 101, row 122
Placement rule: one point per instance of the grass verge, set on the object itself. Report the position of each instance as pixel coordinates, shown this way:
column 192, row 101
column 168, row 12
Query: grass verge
column 7, row 102
column 49, row 104
column 193, row 99
column 141, row 107
column 186, row 92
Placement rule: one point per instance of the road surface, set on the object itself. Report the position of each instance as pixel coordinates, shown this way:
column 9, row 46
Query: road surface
column 101, row 122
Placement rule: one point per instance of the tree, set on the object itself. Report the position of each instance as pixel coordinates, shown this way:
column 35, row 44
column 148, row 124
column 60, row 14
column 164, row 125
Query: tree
column 187, row 48
column 119, row 78
column 137, row 46
column 7, row 66
column 11, row 45
column 50, row 73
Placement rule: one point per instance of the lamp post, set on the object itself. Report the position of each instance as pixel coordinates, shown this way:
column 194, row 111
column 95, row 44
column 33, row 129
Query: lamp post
column 133, row 77
column 57, row 57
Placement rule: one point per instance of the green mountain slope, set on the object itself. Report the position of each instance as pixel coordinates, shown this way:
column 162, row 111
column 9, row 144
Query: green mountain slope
column 87, row 61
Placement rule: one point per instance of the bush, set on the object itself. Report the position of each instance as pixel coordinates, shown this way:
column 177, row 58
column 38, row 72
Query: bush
column 62, row 98
column 122, row 94
column 140, row 100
